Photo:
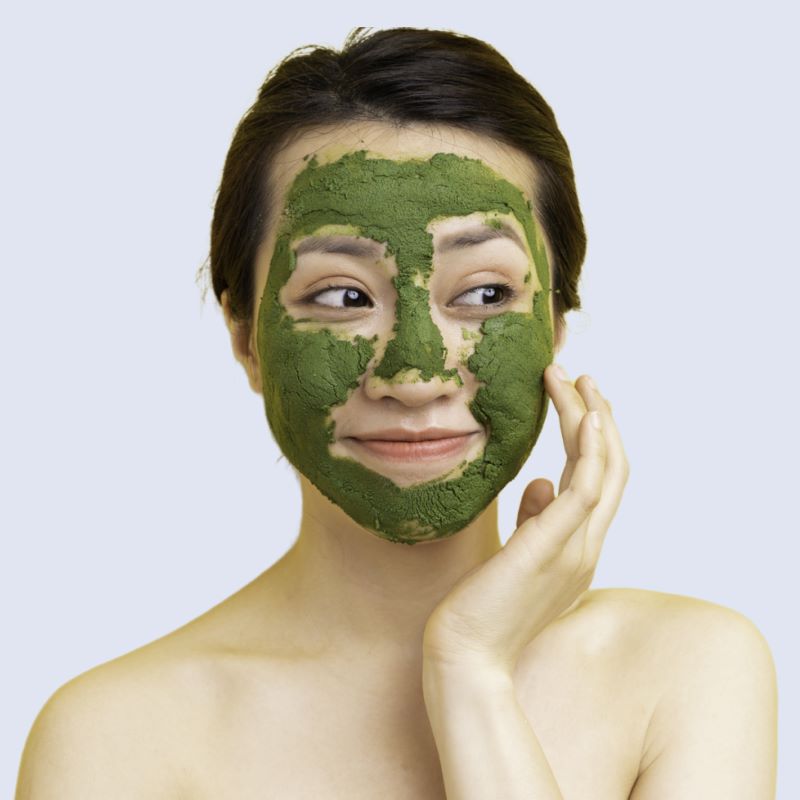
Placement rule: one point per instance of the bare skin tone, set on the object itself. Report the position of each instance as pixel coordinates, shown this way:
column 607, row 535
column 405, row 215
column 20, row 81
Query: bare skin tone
column 308, row 682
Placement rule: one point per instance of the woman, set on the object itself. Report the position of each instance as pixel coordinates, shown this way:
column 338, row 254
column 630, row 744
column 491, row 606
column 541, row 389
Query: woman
column 395, row 244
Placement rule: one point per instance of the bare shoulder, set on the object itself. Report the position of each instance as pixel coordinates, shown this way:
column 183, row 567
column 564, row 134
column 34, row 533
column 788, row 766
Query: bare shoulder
column 133, row 727
column 663, row 620
column 675, row 639
column 118, row 730
column 645, row 641
column 713, row 722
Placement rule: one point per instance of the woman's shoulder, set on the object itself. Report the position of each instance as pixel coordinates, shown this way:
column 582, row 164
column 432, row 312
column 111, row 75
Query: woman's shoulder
column 649, row 646
column 654, row 612
column 702, row 672
column 119, row 728
column 657, row 626
column 138, row 719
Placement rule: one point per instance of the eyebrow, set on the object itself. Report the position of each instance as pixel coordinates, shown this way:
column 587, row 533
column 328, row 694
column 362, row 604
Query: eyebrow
column 477, row 235
column 343, row 245
column 369, row 248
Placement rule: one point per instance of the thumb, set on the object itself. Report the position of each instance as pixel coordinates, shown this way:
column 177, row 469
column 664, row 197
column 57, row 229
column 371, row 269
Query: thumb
column 537, row 496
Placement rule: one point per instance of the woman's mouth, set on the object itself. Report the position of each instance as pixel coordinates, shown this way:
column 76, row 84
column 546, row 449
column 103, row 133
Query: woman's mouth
column 420, row 450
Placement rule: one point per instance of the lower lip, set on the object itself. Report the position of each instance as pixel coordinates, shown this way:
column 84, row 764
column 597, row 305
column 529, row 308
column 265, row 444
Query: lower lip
column 415, row 451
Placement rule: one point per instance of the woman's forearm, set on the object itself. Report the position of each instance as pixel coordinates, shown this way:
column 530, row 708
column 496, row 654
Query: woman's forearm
column 486, row 745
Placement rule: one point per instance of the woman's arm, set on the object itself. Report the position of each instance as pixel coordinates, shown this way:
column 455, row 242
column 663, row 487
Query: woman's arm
column 486, row 745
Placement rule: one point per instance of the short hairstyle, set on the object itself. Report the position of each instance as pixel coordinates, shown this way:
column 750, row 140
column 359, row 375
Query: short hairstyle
column 397, row 75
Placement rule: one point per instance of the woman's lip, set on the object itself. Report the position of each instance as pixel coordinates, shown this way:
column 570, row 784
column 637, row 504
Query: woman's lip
column 415, row 451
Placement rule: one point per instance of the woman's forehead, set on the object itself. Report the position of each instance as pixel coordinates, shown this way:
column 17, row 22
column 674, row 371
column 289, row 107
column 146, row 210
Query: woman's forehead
column 392, row 142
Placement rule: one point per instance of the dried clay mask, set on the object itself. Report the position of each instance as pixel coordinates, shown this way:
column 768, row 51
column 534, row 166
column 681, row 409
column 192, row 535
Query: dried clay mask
column 308, row 372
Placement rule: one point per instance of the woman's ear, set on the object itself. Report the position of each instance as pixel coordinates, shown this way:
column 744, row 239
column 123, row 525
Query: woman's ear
column 241, row 342
column 560, row 336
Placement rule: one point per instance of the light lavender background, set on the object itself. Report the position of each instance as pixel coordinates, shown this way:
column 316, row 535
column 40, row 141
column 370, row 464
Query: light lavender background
column 139, row 480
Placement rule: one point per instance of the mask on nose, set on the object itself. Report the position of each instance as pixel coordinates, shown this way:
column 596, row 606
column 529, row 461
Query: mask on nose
column 307, row 373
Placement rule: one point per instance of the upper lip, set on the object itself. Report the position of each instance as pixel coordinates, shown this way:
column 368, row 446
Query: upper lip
column 406, row 435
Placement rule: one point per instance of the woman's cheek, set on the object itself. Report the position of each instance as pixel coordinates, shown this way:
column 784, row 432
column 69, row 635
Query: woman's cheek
column 509, row 361
column 306, row 374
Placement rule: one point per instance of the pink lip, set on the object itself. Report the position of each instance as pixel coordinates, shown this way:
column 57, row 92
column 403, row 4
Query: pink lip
column 419, row 449
column 409, row 435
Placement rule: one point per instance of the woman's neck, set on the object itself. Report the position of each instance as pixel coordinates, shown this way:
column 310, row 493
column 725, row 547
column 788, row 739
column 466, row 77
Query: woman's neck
column 346, row 584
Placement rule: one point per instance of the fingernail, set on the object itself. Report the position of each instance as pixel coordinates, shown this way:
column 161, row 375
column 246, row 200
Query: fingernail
column 560, row 372
column 594, row 418
column 591, row 383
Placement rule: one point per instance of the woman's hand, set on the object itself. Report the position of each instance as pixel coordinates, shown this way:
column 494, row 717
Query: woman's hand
column 498, row 608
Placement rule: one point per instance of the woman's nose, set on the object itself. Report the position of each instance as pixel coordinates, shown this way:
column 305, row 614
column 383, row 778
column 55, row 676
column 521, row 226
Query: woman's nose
column 407, row 387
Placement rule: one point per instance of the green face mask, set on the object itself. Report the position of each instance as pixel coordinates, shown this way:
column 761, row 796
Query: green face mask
column 306, row 373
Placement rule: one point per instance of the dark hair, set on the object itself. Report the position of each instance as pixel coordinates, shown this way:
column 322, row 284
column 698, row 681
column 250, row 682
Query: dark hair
column 399, row 75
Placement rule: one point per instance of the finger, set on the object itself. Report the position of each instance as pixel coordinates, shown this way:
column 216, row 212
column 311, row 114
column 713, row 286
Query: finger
column 617, row 468
column 545, row 534
column 571, row 408
column 594, row 400
column 537, row 496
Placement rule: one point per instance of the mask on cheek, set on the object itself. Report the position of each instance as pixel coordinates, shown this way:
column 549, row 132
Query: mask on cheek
column 307, row 373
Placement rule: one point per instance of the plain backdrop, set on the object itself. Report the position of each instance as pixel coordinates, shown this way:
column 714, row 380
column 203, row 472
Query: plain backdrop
column 140, row 484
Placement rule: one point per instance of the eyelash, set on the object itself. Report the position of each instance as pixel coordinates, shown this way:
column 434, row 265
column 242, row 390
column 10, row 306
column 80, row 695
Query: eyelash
column 508, row 295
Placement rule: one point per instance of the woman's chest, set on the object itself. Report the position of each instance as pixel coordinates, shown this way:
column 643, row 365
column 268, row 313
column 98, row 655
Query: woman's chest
column 332, row 738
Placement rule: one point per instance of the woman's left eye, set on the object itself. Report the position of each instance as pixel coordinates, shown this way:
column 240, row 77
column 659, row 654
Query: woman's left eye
column 350, row 297
column 495, row 294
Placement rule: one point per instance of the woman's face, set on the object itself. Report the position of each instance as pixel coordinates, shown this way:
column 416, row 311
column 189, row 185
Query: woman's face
column 404, row 294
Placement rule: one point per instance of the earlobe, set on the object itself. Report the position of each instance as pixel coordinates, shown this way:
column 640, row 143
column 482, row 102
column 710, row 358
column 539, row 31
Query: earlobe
column 252, row 366
column 560, row 334
column 225, row 302
column 241, row 344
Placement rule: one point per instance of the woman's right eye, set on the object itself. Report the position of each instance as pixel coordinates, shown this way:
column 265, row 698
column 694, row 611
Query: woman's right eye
column 349, row 296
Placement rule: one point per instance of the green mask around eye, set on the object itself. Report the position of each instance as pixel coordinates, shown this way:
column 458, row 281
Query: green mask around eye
column 306, row 373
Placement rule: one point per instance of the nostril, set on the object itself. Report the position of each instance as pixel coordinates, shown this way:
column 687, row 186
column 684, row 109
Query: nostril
column 410, row 388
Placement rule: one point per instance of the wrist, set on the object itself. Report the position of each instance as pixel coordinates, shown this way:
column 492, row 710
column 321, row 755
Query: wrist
column 440, row 661
column 441, row 679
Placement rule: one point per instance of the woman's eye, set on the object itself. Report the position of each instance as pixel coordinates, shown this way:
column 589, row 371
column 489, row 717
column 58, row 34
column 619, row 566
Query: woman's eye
column 490, row 294
column 340, row 297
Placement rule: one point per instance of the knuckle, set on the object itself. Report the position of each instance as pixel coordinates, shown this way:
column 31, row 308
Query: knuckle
column 586, row 498
column 538, row 546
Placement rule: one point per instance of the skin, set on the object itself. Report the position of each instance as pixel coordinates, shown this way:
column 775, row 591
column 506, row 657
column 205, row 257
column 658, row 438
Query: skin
column 316, row 355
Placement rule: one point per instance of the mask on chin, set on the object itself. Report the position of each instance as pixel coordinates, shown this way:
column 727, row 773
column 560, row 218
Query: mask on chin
column 308, row 373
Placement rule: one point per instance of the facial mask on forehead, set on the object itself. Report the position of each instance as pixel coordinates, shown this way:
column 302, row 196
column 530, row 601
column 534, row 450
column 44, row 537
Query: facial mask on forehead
column 306, row 373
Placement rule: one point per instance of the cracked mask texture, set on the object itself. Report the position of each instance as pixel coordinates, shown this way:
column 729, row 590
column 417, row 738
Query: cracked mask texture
column 306, row 373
